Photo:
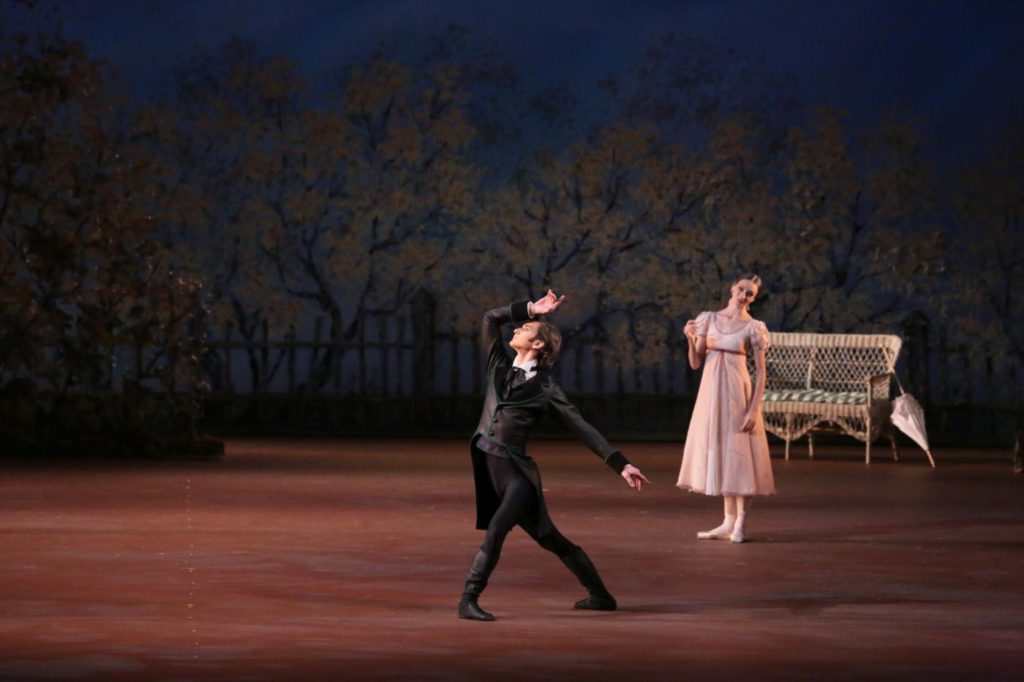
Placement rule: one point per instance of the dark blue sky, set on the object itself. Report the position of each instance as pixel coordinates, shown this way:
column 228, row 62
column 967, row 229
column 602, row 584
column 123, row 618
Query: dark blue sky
column 958, row 64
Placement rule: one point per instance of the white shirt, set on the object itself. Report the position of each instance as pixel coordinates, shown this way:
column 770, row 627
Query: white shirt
column 527, row 367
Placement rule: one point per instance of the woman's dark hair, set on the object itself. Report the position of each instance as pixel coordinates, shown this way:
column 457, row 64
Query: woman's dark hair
column 753, row 278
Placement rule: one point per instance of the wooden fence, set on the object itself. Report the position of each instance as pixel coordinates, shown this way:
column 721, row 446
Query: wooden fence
column 399, row 374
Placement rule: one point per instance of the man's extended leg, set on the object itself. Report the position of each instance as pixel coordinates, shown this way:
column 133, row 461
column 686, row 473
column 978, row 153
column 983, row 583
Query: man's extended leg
column 577, row 561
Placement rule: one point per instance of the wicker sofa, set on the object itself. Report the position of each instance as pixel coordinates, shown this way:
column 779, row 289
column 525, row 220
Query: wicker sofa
column 839, row 380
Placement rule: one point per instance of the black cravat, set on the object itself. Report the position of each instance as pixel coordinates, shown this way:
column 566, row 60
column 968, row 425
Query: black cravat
column 515, row 378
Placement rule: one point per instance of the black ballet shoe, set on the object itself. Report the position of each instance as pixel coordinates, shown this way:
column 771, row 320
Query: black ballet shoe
column 479, row 572
column 600, row 599
column 470, row 610
column 596, row 603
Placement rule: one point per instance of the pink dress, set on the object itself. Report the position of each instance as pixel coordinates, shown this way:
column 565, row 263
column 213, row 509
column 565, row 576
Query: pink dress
column 719, row 458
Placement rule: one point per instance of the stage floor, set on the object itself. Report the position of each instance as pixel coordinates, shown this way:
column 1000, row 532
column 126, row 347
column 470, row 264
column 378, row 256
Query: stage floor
column 344, row 560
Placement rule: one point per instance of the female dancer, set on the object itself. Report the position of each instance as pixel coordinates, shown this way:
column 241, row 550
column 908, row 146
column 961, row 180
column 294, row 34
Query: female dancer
column 726, row 450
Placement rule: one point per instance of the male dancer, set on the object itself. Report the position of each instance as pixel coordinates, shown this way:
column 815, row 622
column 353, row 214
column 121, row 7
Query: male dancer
column 508, row 489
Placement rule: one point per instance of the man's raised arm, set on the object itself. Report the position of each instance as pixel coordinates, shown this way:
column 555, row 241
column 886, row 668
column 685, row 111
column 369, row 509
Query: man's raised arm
column 521, row 311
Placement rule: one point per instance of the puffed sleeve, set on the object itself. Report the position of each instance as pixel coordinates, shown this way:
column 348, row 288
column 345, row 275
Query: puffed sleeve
column 758, row 336
column 703, row 320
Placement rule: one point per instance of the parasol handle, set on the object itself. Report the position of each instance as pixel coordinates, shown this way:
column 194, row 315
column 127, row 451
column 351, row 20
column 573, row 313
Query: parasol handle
column 899, row 384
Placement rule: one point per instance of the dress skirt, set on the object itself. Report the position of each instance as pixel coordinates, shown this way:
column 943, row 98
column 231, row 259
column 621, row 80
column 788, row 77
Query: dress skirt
column 719, row 458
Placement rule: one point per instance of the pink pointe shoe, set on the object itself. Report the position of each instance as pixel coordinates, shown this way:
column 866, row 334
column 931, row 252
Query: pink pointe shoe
column 737, row 531
column 723, row 532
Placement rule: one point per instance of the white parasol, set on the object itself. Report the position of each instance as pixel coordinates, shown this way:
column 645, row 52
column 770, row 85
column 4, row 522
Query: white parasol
column 908, row 416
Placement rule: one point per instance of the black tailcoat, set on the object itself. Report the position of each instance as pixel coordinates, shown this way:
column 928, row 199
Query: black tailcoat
column 507, row 420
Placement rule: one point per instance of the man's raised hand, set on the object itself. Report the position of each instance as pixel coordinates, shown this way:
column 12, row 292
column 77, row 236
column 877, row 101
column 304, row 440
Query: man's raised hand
column 547, row 304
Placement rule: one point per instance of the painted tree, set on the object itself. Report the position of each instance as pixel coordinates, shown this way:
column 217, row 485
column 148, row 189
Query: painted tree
column 652, row 216
column 687, row 88
column 297, row 207
column 383, row 187
column 721, row 118
column 581, row 222
column 513, row 112
column 984, row 308
column 865, row 241
column 237, row 118
column 840, row 226
column 719, row 221
column 643, row 231
column 95, row 321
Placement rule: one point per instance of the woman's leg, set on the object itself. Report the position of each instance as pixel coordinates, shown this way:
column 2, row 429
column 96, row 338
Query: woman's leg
column 724, row 530
column 742, row 505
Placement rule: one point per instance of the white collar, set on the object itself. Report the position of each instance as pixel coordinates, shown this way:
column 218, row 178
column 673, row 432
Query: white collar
column 527, row 367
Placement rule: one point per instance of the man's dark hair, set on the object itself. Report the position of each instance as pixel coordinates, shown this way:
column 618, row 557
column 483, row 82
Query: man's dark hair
column 552, row 338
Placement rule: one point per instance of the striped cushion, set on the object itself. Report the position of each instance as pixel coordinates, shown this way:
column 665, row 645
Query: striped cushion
column 815, row 395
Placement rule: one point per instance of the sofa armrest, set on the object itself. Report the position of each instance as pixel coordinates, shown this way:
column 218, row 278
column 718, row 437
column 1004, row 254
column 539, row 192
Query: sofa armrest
column 878, row 387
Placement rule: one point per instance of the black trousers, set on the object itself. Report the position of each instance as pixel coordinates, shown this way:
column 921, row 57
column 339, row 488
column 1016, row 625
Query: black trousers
column 517, row 508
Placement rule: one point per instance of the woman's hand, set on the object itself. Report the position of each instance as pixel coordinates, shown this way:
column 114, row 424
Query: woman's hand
column 690, row 331
column 750, row 420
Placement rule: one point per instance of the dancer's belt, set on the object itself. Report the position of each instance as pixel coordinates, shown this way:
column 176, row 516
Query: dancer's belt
column 492, row 448
column 726, row 350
